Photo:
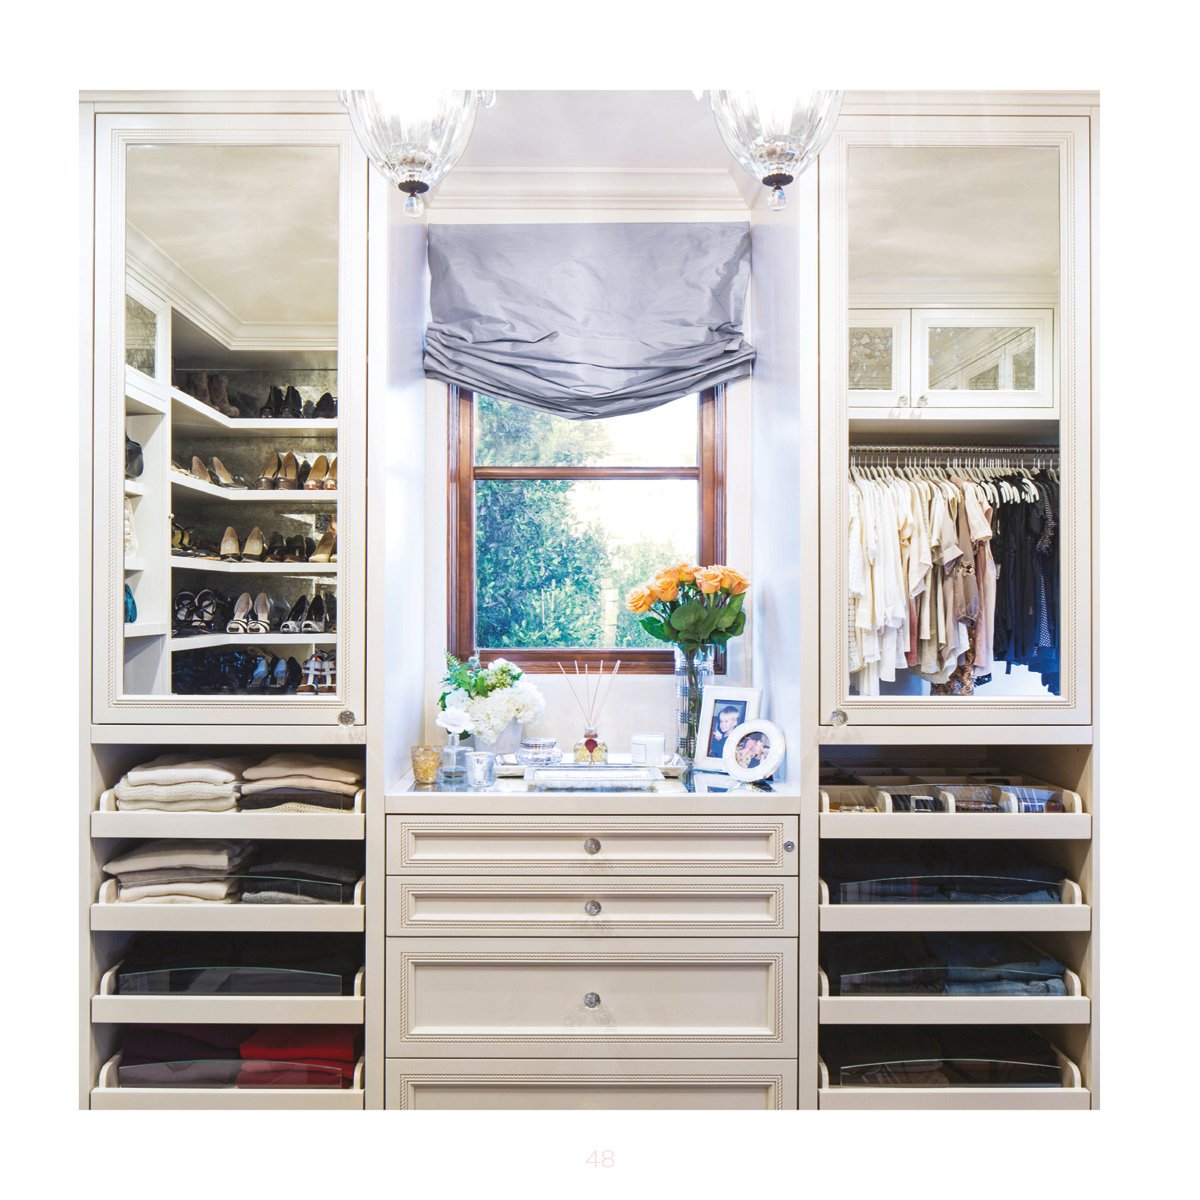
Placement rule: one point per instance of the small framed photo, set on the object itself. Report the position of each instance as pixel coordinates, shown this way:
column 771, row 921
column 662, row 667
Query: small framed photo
column 722, row 710
column 753, row 751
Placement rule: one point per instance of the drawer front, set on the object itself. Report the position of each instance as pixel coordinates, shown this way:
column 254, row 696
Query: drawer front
column 577, row 1084
column 586, row 998
column 570, row 845
column 433, row 905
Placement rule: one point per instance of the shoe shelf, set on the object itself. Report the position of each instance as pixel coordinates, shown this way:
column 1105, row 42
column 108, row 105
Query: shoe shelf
column 108, row 1094
column 205, row 641
column 190, row 483
column 147, row 629
column 1072, row 1009
column 181, row 562
column 191, row 416
column 1074, row 823
column 107, row 821
column 143, row 395
column 107, row 913
column 1071, row 1095
column 1072, row 915
column 109, row 1008
column 134, row 487
column 134, row 564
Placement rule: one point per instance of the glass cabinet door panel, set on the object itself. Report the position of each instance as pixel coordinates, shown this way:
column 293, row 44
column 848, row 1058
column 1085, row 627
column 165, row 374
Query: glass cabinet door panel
column 878, row 358
column 141, row 337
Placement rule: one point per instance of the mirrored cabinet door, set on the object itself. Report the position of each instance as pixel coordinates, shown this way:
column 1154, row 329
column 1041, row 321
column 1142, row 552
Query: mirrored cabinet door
column 955, row 402
column 229, row 420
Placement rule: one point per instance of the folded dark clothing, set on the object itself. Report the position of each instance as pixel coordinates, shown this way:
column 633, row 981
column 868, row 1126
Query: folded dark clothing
column 185, row 1073
column 292, row 890
column 278, row 796
column 972, row 958
column 335, row 1043
column 336, row 869
column 166, row 1043
column 300, row 1072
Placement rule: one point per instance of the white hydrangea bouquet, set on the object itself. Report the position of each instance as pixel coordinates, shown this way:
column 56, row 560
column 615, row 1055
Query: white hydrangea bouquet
column 487, row 701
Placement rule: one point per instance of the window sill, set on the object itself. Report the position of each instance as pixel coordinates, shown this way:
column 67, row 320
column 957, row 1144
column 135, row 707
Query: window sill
column 633, row 662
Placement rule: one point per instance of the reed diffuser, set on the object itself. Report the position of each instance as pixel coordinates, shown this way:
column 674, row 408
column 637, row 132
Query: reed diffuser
column 591, row 695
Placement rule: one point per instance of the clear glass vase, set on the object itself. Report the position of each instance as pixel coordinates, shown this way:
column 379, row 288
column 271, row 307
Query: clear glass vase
column 452, row 772
column 693, row 672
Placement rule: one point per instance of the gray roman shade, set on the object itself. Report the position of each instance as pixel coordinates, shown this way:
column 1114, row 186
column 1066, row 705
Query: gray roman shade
column 590, row 320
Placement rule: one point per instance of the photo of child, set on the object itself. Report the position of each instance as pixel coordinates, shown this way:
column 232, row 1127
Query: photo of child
column 752, row 750
column 727, row 716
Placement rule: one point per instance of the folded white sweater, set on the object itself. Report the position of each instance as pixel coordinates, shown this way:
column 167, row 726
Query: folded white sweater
column 185, row 768
column 290, row 763
column 219, row 804
column 309, row 783
column 177, row 891
column 216, row 856
column 173, row 793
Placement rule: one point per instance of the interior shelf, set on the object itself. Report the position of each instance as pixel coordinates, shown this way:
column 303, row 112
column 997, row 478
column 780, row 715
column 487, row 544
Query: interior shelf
column 252, row 495
column 106, row 913
column 181, row 562
column 134, row 487
column 1071, row 915
column 203, row 641
column 146, row 629
column 141, row 395
column 1072, row 1009
column 189, row 415
column 108, row 1007
column 107, row 1094
column 108, row 822
column 1072, row 1095
column 133, row 564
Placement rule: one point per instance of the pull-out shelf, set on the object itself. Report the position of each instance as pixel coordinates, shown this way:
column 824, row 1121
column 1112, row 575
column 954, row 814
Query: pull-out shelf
column 107, row 913
column 1071, row 915
column 108, row 1094
column 108, row 822
column 108, row 1007
column 1072, row 1095
column 1072, row 1009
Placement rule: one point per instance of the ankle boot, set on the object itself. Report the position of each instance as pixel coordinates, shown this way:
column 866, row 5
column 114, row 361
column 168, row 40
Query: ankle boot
column 218, row 391
column 197, row 386
column 293, row 405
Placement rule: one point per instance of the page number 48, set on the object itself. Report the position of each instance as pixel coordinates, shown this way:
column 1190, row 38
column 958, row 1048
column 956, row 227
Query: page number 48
column 601, row 1158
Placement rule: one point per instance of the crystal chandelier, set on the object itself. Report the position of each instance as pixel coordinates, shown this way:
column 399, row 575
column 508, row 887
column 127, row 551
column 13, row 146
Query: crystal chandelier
column 775, row 135
column 414, row 137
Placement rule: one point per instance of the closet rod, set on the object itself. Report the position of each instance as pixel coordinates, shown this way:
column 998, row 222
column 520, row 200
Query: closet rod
column 857, row 448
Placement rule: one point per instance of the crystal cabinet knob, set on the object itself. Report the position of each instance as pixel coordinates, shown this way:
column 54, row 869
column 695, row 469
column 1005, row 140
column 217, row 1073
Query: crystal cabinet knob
column 902, row 402
column 922, row 401
column 789, row 846
column 838, row 717
column 591, row 846
column 592, row 999
column 592, row 908
column 346, row 717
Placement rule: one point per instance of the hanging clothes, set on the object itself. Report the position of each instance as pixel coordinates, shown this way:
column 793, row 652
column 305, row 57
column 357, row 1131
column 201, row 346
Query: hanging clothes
column 951, row 570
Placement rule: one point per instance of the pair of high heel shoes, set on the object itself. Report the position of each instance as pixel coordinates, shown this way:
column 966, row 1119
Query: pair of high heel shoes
column 253, row 614
column 318, row 615
column 198, row 612
column 290, row 406
column 319, row 674
column 279, row 549
column 216, row 473
column 285, row 472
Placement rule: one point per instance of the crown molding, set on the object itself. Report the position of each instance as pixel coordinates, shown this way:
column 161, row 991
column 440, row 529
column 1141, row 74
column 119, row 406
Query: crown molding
column 153, row 267
column 583, row 188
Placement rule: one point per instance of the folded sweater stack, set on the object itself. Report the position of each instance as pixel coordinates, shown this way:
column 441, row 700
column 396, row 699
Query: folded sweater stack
column 239, row 1055
column 182, row 872
column 296, row 782
column 305, row 874
column 179, row 783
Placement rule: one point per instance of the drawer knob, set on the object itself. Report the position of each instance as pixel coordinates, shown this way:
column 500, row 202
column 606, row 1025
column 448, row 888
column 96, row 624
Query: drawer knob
column 838, row 717
column 591, row 846
column 922, row 401
column 592, row 907
column 902, row 402
column 789, row 846
column 592, row 999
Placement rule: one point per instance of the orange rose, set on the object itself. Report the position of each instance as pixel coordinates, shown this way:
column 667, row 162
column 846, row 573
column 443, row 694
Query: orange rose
column 683, row 572
column 734, row 581
column 641, row 599
column 708, row 579
column 666, row 585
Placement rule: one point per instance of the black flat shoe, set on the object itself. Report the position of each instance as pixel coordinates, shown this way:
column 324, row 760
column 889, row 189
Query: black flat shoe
column 276, row 550
column 314, row 622
column 293, row 622
column 273, row 404
column 296, row 551
column 292, row 408
column 326, row 407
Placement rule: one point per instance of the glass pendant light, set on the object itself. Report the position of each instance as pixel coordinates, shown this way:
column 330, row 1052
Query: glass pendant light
column 414, row 137
column 775, row 135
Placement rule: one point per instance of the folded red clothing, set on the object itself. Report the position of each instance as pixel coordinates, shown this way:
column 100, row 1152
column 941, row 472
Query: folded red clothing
column 337, row 1043
column 300, row 1072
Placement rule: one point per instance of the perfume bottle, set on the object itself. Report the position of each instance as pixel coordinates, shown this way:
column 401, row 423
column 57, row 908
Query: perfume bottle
column 452, row 773
column 590, row 749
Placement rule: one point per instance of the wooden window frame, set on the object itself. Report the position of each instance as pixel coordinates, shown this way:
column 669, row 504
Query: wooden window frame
column 709, row 473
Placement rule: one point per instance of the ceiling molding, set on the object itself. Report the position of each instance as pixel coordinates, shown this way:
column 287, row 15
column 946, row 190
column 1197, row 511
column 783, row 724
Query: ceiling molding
column 575, row 188
column 154, row 268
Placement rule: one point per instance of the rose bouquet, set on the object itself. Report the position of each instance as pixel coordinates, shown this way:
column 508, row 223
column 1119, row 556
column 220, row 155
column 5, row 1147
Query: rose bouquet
column 485, row 701
column 696, row 609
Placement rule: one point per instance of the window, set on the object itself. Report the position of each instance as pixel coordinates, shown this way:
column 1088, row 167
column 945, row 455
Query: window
column 553, row 521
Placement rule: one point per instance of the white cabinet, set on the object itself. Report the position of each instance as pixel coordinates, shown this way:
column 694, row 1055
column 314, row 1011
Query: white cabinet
column 912, row 363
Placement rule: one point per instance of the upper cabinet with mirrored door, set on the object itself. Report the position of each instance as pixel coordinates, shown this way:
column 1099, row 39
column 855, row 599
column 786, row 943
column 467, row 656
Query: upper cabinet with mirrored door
column 229, row 402
column 955, row 401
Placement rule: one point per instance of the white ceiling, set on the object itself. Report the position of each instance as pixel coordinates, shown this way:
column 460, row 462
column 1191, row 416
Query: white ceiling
column 966, row 212
column 255, row 227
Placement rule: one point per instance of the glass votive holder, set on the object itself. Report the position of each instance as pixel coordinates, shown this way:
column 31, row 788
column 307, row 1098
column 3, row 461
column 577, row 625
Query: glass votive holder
column 425, row 762
column 539, row 752
column 481, row 770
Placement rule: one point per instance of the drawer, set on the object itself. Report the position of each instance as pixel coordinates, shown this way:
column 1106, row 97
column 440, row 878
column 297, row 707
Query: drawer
column 577, row 1084
column 586, row 998
column 570, row 845
column 432, row 905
